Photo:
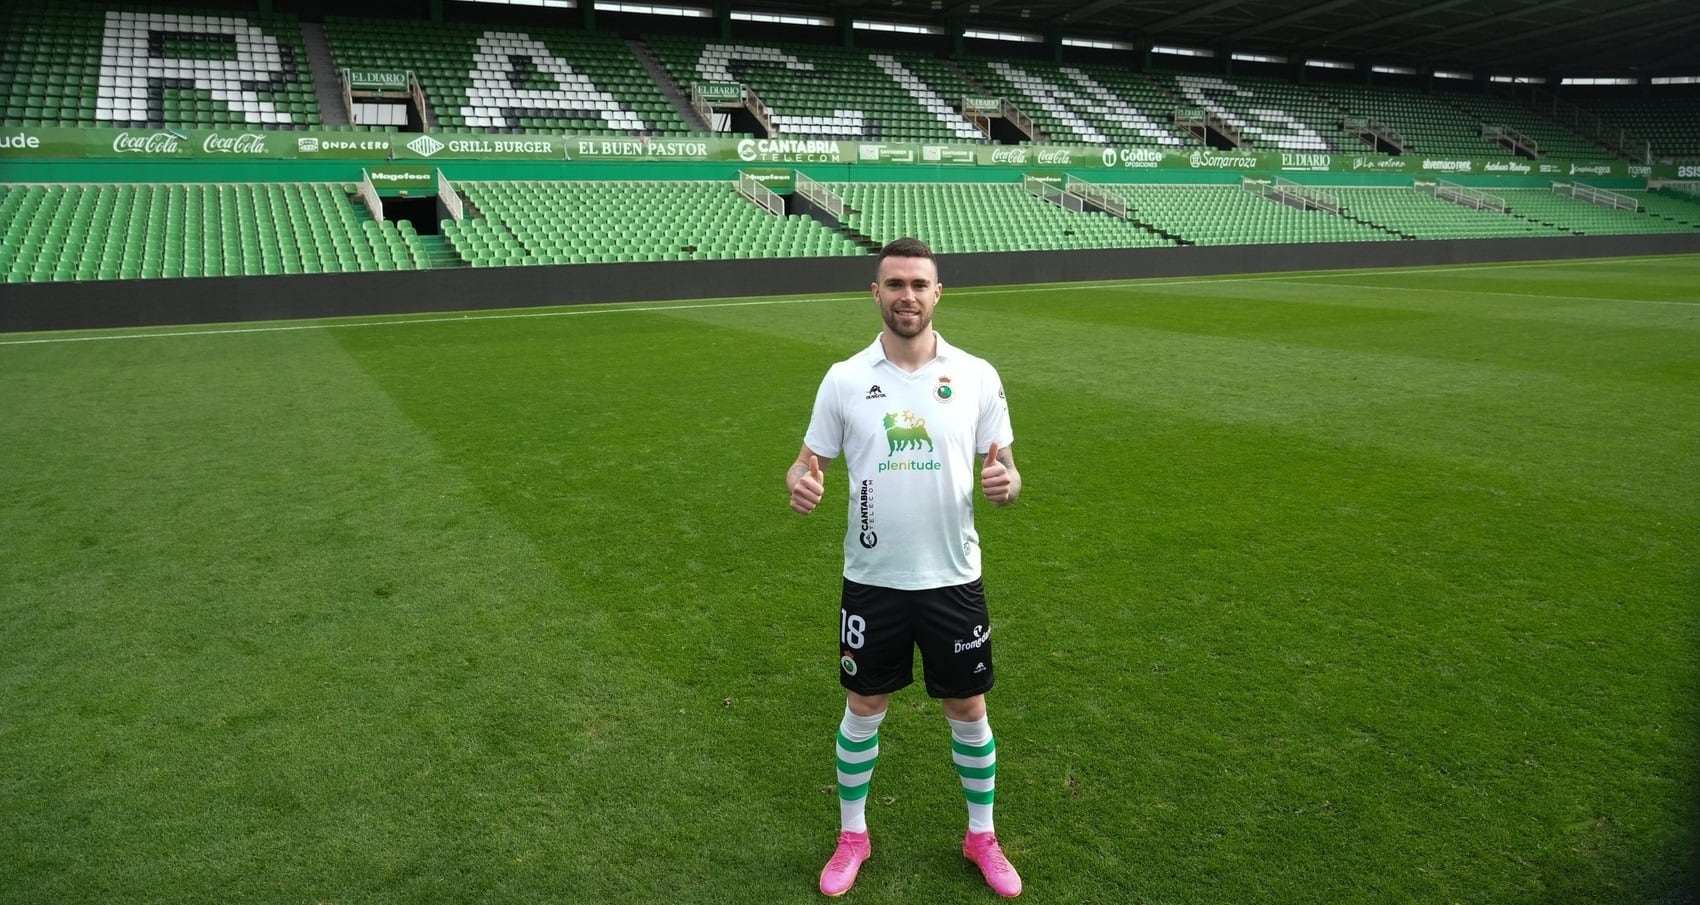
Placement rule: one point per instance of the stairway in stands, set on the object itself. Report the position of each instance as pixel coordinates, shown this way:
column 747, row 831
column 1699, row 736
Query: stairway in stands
column 439, row 253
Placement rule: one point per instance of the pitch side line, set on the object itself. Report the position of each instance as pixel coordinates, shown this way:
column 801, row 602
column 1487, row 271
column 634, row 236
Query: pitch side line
column 626, row 308
column 1521, row 295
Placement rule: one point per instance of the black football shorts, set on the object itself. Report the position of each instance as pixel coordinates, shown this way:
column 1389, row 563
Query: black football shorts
column 880, row 628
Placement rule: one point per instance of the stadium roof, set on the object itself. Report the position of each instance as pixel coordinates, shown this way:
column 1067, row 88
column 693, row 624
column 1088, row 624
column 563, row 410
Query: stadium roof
column 1513, row 37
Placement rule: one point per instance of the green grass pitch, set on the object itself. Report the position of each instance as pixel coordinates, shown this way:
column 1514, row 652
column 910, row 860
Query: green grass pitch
column 1346, row 587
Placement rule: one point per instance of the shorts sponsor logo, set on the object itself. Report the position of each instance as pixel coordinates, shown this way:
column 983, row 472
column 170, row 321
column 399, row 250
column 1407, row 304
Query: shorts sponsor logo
column 982, row 634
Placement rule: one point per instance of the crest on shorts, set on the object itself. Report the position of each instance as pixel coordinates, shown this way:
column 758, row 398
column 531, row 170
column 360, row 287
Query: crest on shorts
column 848, row 663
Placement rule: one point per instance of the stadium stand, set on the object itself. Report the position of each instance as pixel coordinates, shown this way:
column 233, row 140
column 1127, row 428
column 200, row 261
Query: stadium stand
column 1427, row 124
column 1585, row 219
column 529, row 222
column 1670, row 124
column 77, row 63
column 1274, row 116
column 1497, row 110
column 956, row 217
column 1680, row 207
column 71, row 64
column 830, row 93
column 504, row 79
column 1230, row 215
column 1089, row 105
column 88, row 232
column 1417, row 213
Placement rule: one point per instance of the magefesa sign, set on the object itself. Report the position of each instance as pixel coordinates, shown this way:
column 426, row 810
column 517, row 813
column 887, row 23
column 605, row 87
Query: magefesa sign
column 391, row 180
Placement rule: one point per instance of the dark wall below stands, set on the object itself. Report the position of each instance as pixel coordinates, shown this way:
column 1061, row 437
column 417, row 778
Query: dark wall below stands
column 135, row 303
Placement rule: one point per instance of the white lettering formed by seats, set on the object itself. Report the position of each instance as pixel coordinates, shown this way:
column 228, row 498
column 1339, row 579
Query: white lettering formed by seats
column 492, row 98
column 715, row 65
column 1278, row 127
column 131, row 78
column 1053, row 100
column 1119, row 111
column 925, row 96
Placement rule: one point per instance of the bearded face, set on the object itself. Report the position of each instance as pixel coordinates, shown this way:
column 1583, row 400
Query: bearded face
column 907, row 290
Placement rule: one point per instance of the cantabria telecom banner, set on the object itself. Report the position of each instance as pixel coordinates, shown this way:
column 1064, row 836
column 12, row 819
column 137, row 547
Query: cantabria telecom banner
column 96, row 143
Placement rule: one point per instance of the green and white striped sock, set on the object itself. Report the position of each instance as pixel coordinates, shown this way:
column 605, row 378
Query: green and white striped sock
column 858, row 751
column 975, row 754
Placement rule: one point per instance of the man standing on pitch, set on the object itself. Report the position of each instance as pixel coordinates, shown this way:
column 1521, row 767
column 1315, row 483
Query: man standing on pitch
column 912, row 416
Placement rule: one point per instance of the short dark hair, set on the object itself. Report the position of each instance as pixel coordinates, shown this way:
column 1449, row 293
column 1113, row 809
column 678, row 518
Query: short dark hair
column 905, row 247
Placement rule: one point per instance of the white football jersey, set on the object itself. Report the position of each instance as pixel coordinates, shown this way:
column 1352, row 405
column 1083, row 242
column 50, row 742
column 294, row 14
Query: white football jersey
column 913, row 446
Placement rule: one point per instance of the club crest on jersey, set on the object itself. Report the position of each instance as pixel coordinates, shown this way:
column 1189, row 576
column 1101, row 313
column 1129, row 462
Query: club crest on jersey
column 943, row 392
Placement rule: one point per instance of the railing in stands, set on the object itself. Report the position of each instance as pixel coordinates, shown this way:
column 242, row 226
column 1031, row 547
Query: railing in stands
column 1464, row 196
column 1292, row 194
column 1512, row 139
column 760, row 195
column 1097, row 196
column 1597, row 196
column 1049, row 191
column 1015, row 117
column 825, row 198
column 450, row 197
column 369, row 194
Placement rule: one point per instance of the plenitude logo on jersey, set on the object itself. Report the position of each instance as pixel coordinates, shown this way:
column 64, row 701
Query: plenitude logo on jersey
column 906, row 432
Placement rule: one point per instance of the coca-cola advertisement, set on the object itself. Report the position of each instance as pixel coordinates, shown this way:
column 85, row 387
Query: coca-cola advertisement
column 151, row 143
column 253, row 143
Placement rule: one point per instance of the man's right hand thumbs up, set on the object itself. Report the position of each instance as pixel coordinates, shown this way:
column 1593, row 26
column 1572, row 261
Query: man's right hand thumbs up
column 807, row 484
